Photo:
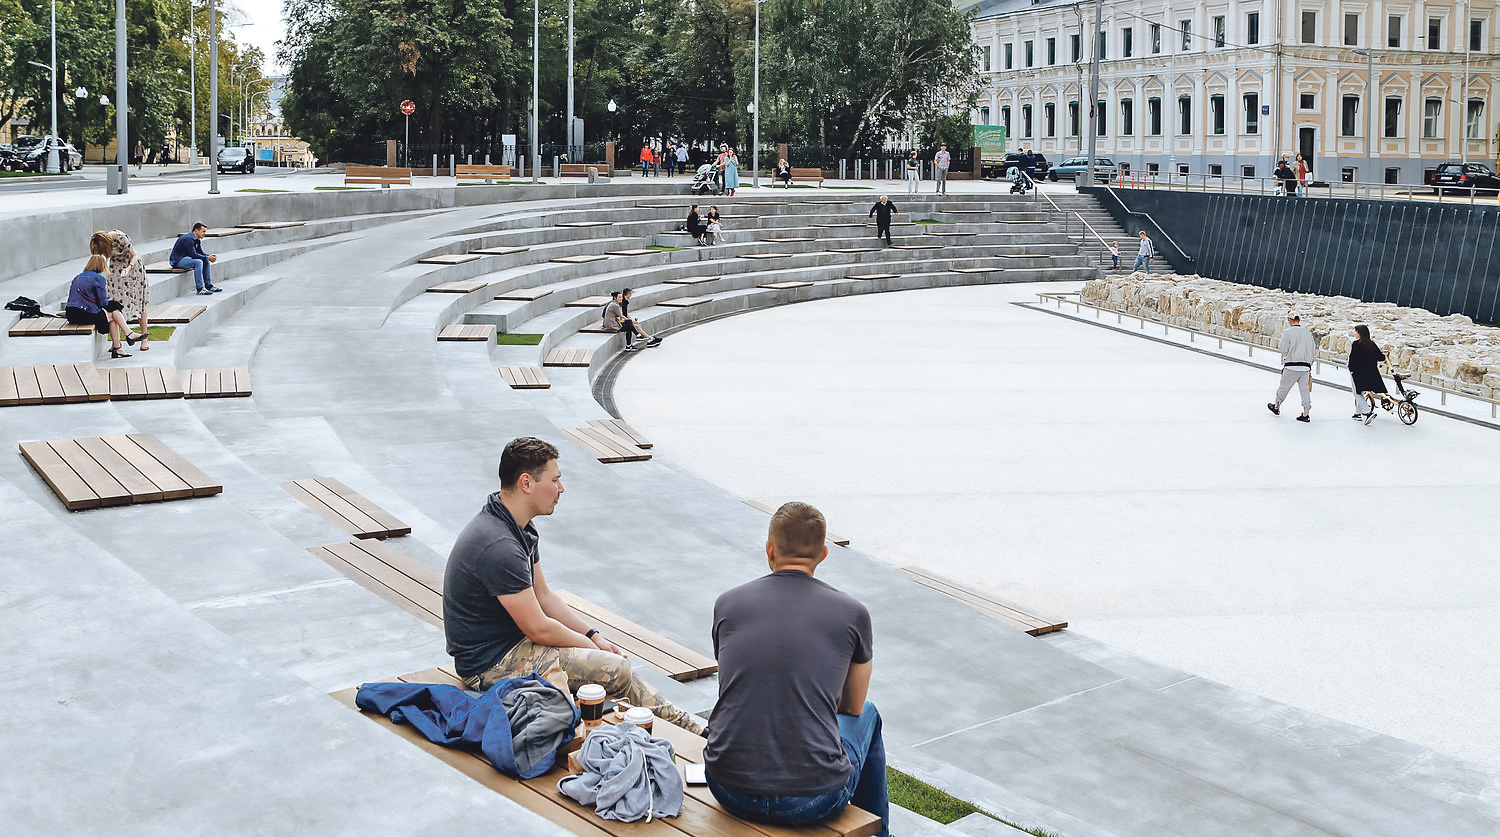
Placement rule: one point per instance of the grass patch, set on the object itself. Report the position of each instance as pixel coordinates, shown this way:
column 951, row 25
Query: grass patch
column 32, row 174
column 518, row 339
column 931, row 221
column 267, row 191
column 664, row 248
column 340, row 188
column 921, row 798
column 162, row 333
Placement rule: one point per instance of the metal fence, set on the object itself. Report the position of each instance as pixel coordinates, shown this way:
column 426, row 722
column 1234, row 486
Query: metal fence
column 1238, row 185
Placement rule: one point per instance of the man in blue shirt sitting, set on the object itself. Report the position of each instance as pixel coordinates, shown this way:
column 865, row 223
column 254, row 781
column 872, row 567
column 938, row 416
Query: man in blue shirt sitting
column 188, row 253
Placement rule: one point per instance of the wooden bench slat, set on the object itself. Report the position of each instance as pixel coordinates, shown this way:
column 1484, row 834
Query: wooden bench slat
column 200, row 482
column 691, row 280
column 582, row 258
column 335, row 508
column 621, row 429
column 108, row 489
column 524, row 294
column 461, row 287
column 69, row 487
column 385, row 582
column 1011, row 614
column 500, row 251
column 28, row 388
column 605, row 447
column 785, row 285
column 448, row 258
column 588, row 302
column 635, row 251
column 584, row 224
column 790, row 239
column 9, row 396
column 686, row 301
column 93, row 382
column 50, row 385
column 393, row 527
column 697, row 665
column 140, row 487
column 837, row 540
column 171, row 486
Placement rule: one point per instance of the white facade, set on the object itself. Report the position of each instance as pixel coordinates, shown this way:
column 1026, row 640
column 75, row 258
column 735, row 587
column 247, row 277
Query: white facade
column 1225, row 86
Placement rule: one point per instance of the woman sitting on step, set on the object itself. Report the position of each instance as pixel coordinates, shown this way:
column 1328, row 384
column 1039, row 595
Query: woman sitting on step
column 88, row 304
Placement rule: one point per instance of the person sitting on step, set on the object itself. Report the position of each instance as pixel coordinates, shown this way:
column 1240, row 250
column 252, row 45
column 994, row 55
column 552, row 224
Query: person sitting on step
column 188, row 254
column 89, row 304
column 634, row 323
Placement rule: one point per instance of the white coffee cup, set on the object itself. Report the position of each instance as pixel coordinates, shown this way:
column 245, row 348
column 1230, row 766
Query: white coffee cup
column 640, row 716
column 591, row 704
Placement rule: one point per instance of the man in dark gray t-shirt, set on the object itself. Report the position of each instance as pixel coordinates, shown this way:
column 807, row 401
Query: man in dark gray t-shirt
column 792, row 739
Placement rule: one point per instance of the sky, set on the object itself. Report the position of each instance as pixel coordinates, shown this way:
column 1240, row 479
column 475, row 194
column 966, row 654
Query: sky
column 267, row 28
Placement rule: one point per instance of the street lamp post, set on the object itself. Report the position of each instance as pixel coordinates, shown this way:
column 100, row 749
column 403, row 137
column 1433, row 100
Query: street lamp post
column 1369, row 169
column 193, row 82
column 52, row 162
column 569, row 131
column 536, row 31
column 193, row 143
column 122, row 104
column 612, row 107
column 1094, row 89
column 755, row 109
column 213, row 97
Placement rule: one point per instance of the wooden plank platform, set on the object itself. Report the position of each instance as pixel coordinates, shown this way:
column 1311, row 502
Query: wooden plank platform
column 468, row 332
column 764, row 255
column 47, row 327
column 524, row 294
column 221, row 232
column 789, row 239
column 346, row 508
column 584, row 224
column 837, row 540
column 635, row 251
column 115, row 471
column 595, row 327
column 606, row 447
column 582, row 258
column 680, row 662
column 621, row 429
column 588, row 302
column 569, row 357
column 1011, row 614
column 853, row 249
column 449, row 258
column 499, row 251
column 840, row 224
column 465, row 286
column 870, row 277
column 686, row 301
column 174, row 313
column 917, row 246
column 784, row 285
column 227, row 382
column 965, row 211
column 165, row 267
column 524, row 377
column 274, row 225
column 977, row 269
column 60, row 384
column 690, row 280
column 136, row 383
column 949, row 233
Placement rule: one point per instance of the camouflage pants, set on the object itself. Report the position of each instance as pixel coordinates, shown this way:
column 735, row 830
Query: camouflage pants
column 569, row 668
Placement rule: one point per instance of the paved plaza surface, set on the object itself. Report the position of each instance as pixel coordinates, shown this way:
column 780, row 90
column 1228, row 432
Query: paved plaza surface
column 1140, row 491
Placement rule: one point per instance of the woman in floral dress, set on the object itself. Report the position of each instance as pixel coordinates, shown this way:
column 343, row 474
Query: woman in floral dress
column 126, row 279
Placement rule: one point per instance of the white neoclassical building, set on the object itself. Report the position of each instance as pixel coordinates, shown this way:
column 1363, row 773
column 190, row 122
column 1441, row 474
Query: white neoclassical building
column 1224, row 86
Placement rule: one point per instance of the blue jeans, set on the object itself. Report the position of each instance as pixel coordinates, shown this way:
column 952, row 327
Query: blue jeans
column 200, row 271
column 865, row 789
column 1140, row 264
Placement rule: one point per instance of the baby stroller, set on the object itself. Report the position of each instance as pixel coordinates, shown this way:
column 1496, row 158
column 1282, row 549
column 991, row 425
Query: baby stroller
column 1021, row 182
column 707, row 181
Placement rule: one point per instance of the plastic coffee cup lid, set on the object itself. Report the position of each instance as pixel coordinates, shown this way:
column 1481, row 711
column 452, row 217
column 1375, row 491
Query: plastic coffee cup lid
column 639, row 715
column 591, row 691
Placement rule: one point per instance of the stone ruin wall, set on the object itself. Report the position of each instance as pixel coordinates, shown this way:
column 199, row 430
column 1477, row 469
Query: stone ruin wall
column 1449, row 351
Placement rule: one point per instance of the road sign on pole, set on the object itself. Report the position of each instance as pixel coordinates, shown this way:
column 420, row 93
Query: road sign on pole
column 408, row 107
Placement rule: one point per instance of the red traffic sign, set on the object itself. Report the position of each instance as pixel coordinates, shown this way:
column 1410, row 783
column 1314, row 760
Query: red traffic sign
column 408, row 107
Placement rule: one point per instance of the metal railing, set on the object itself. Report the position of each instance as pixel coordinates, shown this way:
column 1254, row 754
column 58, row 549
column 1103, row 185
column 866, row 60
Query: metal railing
column 1160, row 230
column 1324, row 356
column 1232, row 184
column 1083, row 238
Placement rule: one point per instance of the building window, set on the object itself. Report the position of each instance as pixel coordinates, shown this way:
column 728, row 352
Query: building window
column 1127, row 118
column 1127, row 42
column 1153, row 169
column 1186, row 27
column 1474, row 119
column 1103, row 43
column 1156, row 39
column 1051, row 51
column 1026, row 121
column 1216, row 113
column 1215, row 170
column 1182, row 169
column 1252, row 28
column 1476, row 36
column 1049, row 119
column 1393, row 31
column 1393, row 117
column 1153, row 117
column 1307, row 101
column 1219, row 32
column 1005, row 120
column 1185, row 116
column 1010, row 56
column 1076, row 43
column 1247, row 171
column 1351, row 30
column 1393, row 175
column 1309, row 27
column 1349, row 117
column 1434, row 33
column 1101, row 121
column 986, row 59
column 984, row 116
column 1072, row 119
column 1252, row 113
column 1030, row 53
column 1432, row 118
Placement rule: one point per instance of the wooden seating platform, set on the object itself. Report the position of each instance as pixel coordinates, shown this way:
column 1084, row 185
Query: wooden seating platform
column 977, row 269
column 116, row 471
column 418, row 589
column 226, row 382
column 870, row 277
column 165, row 267
column 965, row 211
column 346, row 508
column 588, row 302
column 449, row 258
column 853, row 249
column 274, row 225
column 221, row 232
column 462, row 287
column 917, row 246
column 468, row 332
column 47, row 327
column 789, row 239
column 690, row 280
column 174, row 313
column 780, row 286
column 595, row 327
column 377, row 175
column 621, row 429
column 840, row 224
column 484, row 172
column 636, row 251
column 808, row 175
column 524, row 377
column 1011, row 614
column 499, row 251
column 686, row 301
column 949, row 233
column 60, row 384
column 837, row 540
column 137, row 383
column 582, row 258
column 763, row 255
column 569, row 357
column 584, row 224
column 606, row 446
column 524, row 294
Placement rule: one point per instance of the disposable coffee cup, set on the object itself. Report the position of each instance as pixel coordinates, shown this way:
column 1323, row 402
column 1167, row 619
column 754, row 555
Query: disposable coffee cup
column 591, row 704
column 640, row 716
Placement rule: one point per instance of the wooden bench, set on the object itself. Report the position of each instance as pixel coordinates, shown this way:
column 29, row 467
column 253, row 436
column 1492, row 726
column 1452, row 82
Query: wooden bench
column 524, row 377
column 448, row 258
column 227, row 382
column 588, row 302
column 61, row 384
column 950, row 233
column 836, row 540
column 582, row 258
column 47, row 327
column 1011, row 614
column 418, row 589
column 524, row 294
column 377, row 176
column 977, row 270
column 686, row 301
column 346, row 508
column 488, row 174
column 605, row 446
column 635, row 251
column 274, row 225
column 870, row 277
column 581, row 169
column 852, row 249
column 461, row 287
column 174, row 313
column 619, row 428
column 584, row 224
column 808, row 176
column 221, row 232
column 781, row 286
column 116, row 471
column 569, row 357
column 500, row 251
column 136, row 383
column 691, row 280
column 789, row 239
column 468, row 332
column 834, row 225
column 764, row 255
column 165, row 267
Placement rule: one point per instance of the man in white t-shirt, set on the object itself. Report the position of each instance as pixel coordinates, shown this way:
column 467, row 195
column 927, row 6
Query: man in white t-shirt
column 940, row 162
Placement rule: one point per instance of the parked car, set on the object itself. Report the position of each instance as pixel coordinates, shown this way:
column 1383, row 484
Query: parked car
column 30, row 154
column 1073, row 166
column 238, row 159
column 1013, row 161
column 1466, row 177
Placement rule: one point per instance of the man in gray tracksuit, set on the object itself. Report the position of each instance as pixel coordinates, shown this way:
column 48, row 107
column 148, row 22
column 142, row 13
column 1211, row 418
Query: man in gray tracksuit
column 1298, row 351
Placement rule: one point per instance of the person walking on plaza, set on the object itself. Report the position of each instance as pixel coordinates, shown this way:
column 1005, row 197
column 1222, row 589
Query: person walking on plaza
column 792, row 739
column 188, row 253
column 940, row 163
column 646, row 159
column 1298, row 351
column 1365, row 358
column 125, row 282
column 913, row 173
column 682, row 158
column 138, row 155
column 670, row 158
column 1143, row 255
column 882, row 212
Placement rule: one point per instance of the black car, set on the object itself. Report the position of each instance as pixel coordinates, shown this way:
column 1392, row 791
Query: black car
column 236, row 159
column 1465, row 177
column 30, row 154
column 1013, row 161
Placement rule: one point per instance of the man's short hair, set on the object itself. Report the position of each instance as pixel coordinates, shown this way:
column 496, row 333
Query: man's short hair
column 625, row 292
column 526, row 455
column 798, row 531
column 199, row 224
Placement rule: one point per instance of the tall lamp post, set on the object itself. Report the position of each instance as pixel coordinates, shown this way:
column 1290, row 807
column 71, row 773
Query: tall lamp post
column 213, row 97
column 570, row 80
column 122, row 104
column 193, row 81
column 1369, row 169
column 612, row 107
column 1094, row 89
column 755, row 109
column 52, row 163
column 536, row 31
column 193, row 144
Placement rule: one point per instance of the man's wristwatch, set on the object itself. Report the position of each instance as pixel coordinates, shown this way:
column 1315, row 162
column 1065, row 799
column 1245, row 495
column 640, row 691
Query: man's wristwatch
column 591, row 632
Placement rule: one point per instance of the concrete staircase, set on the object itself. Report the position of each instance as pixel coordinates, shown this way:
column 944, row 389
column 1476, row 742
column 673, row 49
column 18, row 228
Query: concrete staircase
column 1091, row 211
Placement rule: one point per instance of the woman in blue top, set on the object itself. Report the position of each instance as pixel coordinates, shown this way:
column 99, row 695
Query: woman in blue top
column 731, row 172
column 88, row 304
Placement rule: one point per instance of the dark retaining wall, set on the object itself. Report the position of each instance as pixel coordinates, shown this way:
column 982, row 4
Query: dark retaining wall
column 1441, row 257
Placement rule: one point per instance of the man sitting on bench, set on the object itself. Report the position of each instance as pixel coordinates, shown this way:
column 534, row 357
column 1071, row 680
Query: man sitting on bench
column 501, row 618
column 792, row 739
column 187, row 254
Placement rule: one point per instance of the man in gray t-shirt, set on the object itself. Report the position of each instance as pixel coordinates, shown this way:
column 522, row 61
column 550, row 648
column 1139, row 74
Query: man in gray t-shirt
column 792, row 739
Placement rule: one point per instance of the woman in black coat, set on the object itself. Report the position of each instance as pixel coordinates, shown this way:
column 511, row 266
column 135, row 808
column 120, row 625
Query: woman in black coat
column 695, row 225
column 1364, row 367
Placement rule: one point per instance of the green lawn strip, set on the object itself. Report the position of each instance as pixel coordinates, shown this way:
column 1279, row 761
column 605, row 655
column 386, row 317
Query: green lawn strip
column 664, row 248
column 931, row 221
column 33, row 174
column 162, row 333
column 341, row 188
column 921, row 798
column 518, row 339
column 268, row 191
